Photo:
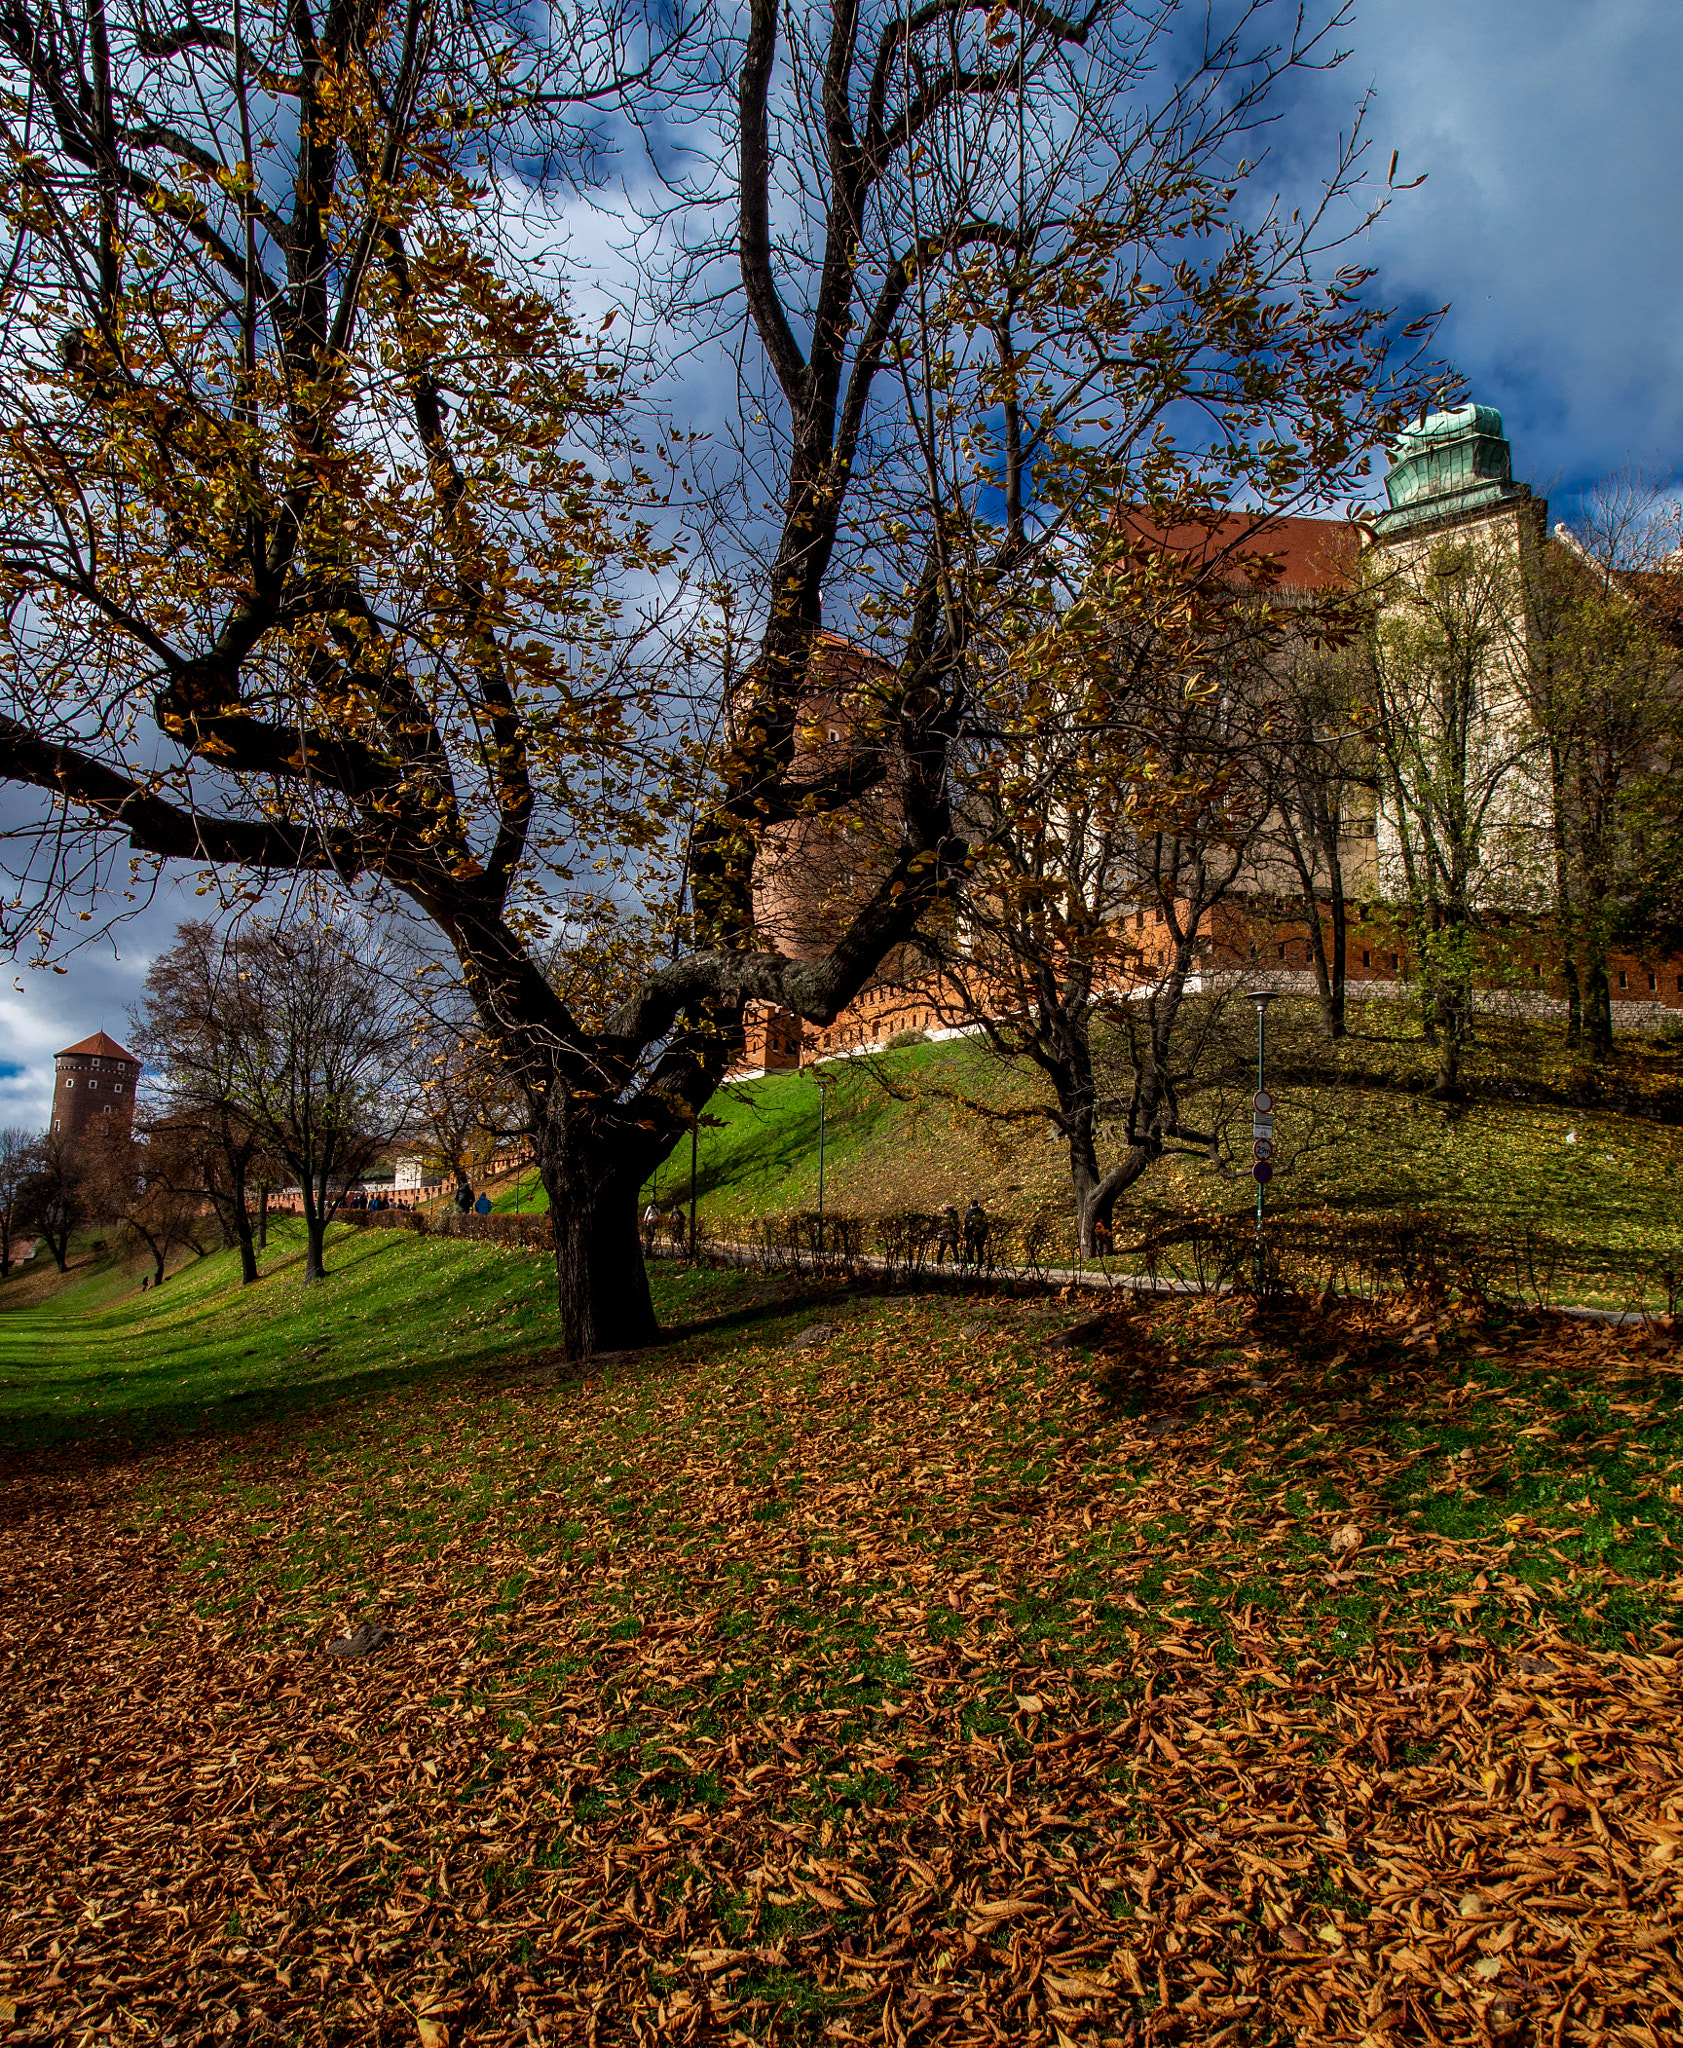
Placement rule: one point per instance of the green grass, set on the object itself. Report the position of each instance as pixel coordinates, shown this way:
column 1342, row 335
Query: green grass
column 1358, row 1134
column 99, row 1354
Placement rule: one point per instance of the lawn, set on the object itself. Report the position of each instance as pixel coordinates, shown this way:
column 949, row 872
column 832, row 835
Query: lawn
column 1528, row 1151
column 1208, row 1679
column 99, row 1356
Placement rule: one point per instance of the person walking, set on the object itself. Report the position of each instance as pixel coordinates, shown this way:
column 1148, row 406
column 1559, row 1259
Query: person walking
column 464, row 1198
column 946, row 1234
column 975, row 1234
column 651, row 1223
column 483, row 1206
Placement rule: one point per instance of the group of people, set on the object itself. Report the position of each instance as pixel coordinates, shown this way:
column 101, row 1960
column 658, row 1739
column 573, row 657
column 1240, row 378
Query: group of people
column 467, row 1204
column 963, row 1241
column 677, row 1229
column 360, row 1199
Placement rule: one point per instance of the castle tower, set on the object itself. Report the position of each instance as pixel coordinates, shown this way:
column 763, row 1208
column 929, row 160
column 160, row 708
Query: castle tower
column 93, row 1089
column 1451, row 494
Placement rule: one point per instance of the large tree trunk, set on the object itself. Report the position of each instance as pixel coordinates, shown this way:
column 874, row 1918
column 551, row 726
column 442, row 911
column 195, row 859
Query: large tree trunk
column 248, row 1247
column 1598, row 1005
column 315, row 1228
column 600, row 1278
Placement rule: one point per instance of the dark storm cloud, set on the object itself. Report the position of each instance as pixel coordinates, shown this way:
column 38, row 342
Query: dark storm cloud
column 1550, row 136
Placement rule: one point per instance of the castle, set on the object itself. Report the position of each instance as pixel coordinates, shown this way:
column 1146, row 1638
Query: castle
column 1451, row 477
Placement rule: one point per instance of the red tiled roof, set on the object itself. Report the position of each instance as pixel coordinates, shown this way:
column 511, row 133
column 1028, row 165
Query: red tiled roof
column 1304, row 554
column 98, row 1047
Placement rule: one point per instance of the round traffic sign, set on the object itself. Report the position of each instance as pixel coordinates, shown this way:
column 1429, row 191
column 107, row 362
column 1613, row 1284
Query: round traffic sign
column 1262, row 1148
column 1262, row 1102
column 1262, row 1171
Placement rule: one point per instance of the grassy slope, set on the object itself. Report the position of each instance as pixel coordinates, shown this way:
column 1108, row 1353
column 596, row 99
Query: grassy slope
column 1608, row 1183
column 96, row 1352
column 896, row 1680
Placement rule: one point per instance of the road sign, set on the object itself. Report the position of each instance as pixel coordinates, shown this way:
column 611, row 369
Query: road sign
column 1262, row 1102
column 1262, row 1148
column 1262, row 1171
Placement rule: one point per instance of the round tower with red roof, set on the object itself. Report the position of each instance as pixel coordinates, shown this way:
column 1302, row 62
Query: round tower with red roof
column 93, row 1089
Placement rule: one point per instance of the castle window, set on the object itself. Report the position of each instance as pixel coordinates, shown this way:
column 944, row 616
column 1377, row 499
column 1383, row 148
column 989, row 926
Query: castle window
column 58, row 1122
column 1622, row 982
column 1396, row 962
column 1282, row 952
column 69, row 1080
column 1652, row 981
column 93, row 1084
column 1367, row 959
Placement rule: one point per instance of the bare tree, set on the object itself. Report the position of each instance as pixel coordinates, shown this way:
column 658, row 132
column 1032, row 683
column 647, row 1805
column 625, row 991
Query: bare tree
column 148, row 1186
column 1110, row 853
column 55, row 1195
column 1323, row 801
column 17, row 1163
column 190, row 1028
column 1605, row 647
column 319, row 1054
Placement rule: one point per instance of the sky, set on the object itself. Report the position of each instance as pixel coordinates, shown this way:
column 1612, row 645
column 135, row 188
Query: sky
column 1548, row 135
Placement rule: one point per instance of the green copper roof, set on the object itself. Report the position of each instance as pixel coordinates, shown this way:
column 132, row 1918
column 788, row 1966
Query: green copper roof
column 1445, row 463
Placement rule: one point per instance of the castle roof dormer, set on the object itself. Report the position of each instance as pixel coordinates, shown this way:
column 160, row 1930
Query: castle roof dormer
column 1448, row 464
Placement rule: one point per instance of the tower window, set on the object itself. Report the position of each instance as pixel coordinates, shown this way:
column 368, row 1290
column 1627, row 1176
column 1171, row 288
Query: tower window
column 1622, row 982
column 1282, row 952
column 1652, row 981
column 93, row 1084
column 1367, row 959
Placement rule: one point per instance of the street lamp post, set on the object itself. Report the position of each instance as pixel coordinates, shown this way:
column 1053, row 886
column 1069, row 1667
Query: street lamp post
column 1262, row 1121
column 823, row 1102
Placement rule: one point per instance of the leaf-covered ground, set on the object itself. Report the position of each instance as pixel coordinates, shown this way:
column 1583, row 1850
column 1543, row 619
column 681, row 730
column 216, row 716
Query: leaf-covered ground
column 924, row 1682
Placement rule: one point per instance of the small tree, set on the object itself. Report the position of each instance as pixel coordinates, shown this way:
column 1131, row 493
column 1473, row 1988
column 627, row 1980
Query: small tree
column 55, row 1197
column 1117, row 799
column 1458, row 834
column 1324, row 783
column 1607, row 609
column 149, row 1187
column 318, row 1044
column 18, row 1160
column 191, row 1028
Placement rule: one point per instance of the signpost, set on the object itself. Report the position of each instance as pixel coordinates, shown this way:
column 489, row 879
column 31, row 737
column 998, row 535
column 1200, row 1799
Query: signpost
column 1262, row 1121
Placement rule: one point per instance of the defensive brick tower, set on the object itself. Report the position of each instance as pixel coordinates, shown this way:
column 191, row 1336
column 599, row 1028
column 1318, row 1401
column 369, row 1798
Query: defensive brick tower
column 93, row 1089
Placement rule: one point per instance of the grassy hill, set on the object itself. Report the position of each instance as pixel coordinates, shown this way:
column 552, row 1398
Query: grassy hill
column 1528, row 1148
column 1209, row 1679
column 93, row 1352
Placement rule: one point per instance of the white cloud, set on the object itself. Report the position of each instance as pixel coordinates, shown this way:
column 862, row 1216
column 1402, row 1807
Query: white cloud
column 1549, row 133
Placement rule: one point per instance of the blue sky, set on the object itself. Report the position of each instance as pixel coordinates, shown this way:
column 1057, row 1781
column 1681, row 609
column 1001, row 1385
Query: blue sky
column 1552, row 145
column 1549, row 134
